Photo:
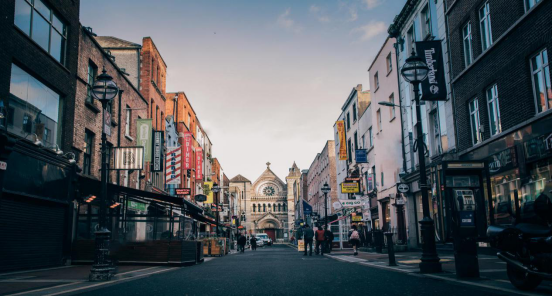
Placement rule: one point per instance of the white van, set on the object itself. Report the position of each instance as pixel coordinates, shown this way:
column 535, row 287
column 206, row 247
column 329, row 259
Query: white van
column 266, row 239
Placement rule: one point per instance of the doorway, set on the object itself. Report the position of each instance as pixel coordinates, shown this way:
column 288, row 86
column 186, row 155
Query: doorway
column 271, row 233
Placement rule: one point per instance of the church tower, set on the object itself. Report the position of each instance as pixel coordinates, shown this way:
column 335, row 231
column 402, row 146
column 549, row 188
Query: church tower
column 294, row 188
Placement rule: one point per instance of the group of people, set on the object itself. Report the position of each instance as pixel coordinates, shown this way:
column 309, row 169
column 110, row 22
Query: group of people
column 242, row 240
column 323, row 239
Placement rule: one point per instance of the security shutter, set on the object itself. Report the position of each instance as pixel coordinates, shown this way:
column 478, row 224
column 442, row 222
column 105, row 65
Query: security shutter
column 32, row 233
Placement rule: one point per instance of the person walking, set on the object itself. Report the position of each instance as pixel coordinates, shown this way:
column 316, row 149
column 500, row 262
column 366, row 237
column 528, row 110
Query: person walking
column 320, row 238
column 308, row 239
column 354, row 238
column 242, row 242
column 253, row 243
column 329, row 237
column 362, row 235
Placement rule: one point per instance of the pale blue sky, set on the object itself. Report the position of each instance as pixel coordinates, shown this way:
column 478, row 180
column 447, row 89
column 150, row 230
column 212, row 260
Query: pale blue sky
column 267, row 79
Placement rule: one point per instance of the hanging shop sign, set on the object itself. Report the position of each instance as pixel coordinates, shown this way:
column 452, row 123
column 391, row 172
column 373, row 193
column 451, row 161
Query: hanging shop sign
column 187, row 151
column 200, row 198
column 136, row 205
column 144, row 137
column 361, row 156
column 433, row 87
column 199, row 165
column 173, row 165
column 157, row 151
column 402, row 188
column 182, row 191
column 350, row 187
column 128, row 158
column 355, row 217
column 349, row 203
column 307, row 209
column 207, row 191
column 343, row 150
column 107, row 123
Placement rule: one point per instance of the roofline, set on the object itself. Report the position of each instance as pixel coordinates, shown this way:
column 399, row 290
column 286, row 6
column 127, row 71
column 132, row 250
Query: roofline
column 187, row 100
column 354, row 90
column 156, row 49
column 379, row 51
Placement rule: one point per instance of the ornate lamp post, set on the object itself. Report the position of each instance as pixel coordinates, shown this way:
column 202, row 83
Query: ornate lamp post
column 104, row 90
column 326, row 189
column 415, row 71
column 216, row 189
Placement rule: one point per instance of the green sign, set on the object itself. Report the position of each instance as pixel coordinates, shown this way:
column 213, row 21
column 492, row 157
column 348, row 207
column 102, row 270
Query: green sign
column 136, row 205
column 144, row 137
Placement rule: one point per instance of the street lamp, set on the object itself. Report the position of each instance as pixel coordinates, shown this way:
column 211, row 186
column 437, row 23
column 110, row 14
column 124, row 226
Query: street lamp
column 104, row 89
column 415, row 71
column 215, row 189
column 326, row 189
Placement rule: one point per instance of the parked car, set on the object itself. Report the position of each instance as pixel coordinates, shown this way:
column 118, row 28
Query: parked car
column 266, row 239
column 259, row 241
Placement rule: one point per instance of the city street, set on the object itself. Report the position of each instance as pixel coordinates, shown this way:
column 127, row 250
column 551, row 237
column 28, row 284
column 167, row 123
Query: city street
column 281, row 270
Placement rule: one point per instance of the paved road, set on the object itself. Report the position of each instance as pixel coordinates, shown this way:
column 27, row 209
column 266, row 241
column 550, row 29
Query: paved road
column 280, row 270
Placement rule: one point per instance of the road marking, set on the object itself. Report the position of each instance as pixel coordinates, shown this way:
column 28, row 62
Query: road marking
column 43, row 289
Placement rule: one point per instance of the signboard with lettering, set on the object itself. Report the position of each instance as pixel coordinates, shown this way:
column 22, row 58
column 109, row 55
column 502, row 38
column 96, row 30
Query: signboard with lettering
column 350, row 187
column 187, row 151
column 128, row 158
column 342, row 150
column 361, row 156
column 199, row 165
column 503, row 161
column 200, row 198
column 347, row 203
column 433, row 87
column 157, row 150
column 182, row 191
column 144, row 137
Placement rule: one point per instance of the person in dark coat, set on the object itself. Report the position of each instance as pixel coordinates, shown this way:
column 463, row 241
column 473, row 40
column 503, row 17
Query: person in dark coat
column 329, row 236
column 253, row 243
column 308, row 235
column 242, row 242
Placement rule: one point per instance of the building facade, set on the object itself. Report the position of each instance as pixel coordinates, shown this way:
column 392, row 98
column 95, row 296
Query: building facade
column 321, row 171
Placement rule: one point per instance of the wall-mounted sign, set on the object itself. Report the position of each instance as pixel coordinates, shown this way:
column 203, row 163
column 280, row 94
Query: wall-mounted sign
column 199, row 165
column 182, row 191
column 173, row 166
column 350, row 187
column 352, row 179
column 348, row 203
column 107, row 123
column 144, row 137
column 187, row 151
column 402, row 188
column 355, row 217
column 502, row 161
column 361, row 156
column 433, row 87
column 343, row 150
column 157, row 151
column 128, row 158
column 200, row 198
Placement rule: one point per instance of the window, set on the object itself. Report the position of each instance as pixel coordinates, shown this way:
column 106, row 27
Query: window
column 376, row 83
column 485, row 26
column 363, row 141
column 541, row 81
column 188, row 122
column 393, row 107
column 426, row 21
column 128, row 121
column 354, row 112
column 264, row 208
column 35, row 108
column 530, row 3
column 39, row 22
column 371, row 137
column 356, row 143
column 467, row 44
column 348, row 121
column 474, row 121
column 389, row 62
column 254, row 208
column 436, row 124
column 349, row 150
column 87, row 151
column 382, row 179
column 92, row 73
column 379, row 120
column 493, row 110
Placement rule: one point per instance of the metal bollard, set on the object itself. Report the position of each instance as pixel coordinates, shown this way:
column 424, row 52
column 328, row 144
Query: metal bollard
column 391, row 252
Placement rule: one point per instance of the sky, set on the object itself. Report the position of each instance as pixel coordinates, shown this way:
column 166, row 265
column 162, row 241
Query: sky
column 267, row 79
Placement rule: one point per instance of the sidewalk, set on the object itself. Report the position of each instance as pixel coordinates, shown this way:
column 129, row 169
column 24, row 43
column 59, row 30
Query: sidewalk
column 492, row 270
column 64, row 279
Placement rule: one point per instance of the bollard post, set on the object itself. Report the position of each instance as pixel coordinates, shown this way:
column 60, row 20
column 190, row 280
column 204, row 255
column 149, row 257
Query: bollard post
column 391, row 252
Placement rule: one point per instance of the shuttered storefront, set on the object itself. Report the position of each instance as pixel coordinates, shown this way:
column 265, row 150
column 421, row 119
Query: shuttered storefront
column 32, row 233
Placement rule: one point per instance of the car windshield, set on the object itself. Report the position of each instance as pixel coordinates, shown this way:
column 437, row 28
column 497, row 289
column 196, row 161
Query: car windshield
column 263, row 236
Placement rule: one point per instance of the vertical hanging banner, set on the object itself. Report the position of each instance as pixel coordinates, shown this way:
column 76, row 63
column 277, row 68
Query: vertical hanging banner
column 199, row 165
column 157, row 150
column 144, row 137
column 433, row 87
column 208, row 193
column 187, row 151
column 343, row 151
column 173, row 166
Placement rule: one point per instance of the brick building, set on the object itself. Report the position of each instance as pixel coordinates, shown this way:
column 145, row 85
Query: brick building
column 321, row 171
column 38, row 65
column 501, row 76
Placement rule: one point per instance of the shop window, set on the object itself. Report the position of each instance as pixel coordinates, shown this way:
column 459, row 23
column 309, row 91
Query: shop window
column 504, row 186
column 35, row 108
column 541, row 81
column 493, row 110
column 38, row 21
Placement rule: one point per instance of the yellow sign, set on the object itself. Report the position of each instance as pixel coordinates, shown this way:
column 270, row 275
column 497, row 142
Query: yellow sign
column 207, row 192
column 301, row 246
column 343, row 150
column 356, row 218
column 350, row 187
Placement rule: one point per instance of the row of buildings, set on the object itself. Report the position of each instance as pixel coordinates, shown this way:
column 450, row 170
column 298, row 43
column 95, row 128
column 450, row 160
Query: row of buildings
column 496, row 113
column 51, row 125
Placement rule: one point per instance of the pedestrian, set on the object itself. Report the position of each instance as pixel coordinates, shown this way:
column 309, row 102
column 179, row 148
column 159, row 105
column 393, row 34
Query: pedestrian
column 253, row 243
column 329, row 237
column 308, row 235
column 354, row 238
column 242, row 242
column 320, row 238
column 362, row 235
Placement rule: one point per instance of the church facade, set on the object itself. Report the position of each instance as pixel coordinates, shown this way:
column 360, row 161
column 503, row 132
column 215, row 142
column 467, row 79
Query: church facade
column 268, row 203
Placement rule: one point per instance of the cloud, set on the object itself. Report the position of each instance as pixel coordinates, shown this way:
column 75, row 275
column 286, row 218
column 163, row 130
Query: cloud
column 352, row 14
column 317, row 12
column 284, row 21
column 370, row 30
column 370, row 4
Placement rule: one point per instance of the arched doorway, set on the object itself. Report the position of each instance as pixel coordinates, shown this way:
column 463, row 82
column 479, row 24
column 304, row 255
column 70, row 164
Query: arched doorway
column 270, row 227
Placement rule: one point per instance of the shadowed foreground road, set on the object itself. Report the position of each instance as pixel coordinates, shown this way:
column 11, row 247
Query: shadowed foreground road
column 281, row 270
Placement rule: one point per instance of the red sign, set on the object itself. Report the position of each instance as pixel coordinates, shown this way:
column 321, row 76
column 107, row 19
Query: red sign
column 199, row 165
column 182, row 191
column 187, row 151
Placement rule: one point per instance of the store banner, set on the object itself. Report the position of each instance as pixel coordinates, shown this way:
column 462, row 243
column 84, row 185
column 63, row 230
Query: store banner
column 208, row 193
column 144, row 137
column 173, row 165
column 128, row 158
column 350, row 187
column 187, row 151
column 157, row 150
column 199, row 165
column 342, row 150
column 433, row 87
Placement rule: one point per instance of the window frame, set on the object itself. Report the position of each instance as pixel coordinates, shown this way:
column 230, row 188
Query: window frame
column 544, row 69
column 128, row 120
column 87, row 152
column 495, row 102
column 487, row 17
column 354, row 112
column 528, row 6
column 348, row 123
column 476, row 115
column 376, row 82
column 426, row 21
column 389, row 64
column 90, row 81
column 467, row 39
column 391, row 99
column 370, row 137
